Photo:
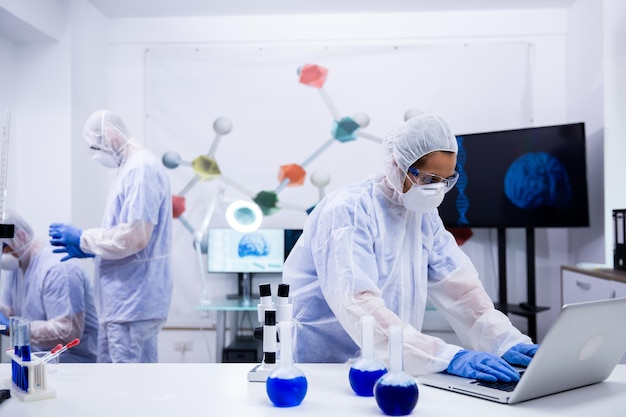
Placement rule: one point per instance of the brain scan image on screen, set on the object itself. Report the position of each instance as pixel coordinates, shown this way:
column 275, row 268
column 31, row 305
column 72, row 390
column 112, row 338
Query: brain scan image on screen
column 537, row 179
column 253, row 244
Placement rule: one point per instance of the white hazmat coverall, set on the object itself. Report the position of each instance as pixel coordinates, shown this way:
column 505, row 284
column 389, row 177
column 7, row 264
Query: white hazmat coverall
column 363, row 253
column 133, row 283
column 56, row 297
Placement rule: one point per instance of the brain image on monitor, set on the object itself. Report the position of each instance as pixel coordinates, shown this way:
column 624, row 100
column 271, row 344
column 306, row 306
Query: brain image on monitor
column 253, row 244
column 537, row 179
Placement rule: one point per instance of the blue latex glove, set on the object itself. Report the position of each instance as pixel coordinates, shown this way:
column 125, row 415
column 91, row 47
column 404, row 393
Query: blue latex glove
column 520, row 354
column 73, row 251
column 4, row 321
column 64, row 234
column 482, row 365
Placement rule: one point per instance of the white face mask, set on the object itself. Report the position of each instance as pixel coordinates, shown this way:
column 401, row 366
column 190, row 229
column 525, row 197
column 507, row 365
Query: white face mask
column 106, row 159
column 423, row 198
column 9, row 262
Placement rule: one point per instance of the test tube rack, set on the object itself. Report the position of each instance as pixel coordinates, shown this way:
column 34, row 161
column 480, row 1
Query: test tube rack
column 30, row 374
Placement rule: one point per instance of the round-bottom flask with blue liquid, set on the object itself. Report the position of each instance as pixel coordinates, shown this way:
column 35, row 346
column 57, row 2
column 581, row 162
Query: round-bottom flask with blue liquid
column 396, row 394
column 363, row 375
column 366, row 370
column 286, row 387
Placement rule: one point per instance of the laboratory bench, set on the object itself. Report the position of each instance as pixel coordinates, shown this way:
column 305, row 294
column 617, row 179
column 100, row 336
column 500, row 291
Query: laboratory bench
column 222, row 389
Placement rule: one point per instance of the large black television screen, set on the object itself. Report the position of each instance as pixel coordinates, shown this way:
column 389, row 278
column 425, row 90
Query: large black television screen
column 524, row 178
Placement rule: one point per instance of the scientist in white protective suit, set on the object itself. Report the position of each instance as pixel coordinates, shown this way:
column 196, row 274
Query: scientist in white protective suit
column 378, row 247
column 132, row 247
column 57, row 298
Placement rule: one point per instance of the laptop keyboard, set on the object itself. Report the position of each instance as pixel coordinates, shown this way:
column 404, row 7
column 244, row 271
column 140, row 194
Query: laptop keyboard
column 499, row 385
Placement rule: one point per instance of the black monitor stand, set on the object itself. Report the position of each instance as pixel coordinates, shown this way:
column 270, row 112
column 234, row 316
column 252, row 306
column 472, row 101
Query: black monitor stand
column 244, row 289
column 528, row 309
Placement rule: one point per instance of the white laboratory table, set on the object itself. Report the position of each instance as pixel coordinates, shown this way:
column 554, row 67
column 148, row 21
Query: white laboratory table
column 173, row 390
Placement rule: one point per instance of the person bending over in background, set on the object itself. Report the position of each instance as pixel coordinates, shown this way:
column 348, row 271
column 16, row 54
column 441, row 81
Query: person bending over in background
column 378, row 247
column 131, row 248
column 56, row 297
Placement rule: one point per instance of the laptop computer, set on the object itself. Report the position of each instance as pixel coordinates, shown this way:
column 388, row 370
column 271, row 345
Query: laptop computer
column 581, row 348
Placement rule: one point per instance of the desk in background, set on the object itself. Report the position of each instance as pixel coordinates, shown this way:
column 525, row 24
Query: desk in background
column 223, row 305
column 221, row 389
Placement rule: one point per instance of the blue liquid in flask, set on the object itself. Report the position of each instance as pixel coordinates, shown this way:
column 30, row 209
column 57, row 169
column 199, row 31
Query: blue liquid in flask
column 396, row 399
column 286, row 392
column 362, row 381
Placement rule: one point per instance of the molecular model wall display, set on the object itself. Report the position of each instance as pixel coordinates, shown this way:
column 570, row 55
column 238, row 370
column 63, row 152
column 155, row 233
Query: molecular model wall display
column 206, row 168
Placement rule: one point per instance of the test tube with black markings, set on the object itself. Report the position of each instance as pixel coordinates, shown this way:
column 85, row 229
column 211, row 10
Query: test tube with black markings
column 25, row 351
column 25, row 346
column 14, row 335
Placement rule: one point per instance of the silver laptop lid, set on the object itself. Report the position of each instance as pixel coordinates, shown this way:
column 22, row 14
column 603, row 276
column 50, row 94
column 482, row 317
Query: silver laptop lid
column 583, row 347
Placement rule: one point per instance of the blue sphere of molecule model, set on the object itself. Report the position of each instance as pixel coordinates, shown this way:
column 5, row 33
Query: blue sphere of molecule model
column 171, row 159
column 396, row 394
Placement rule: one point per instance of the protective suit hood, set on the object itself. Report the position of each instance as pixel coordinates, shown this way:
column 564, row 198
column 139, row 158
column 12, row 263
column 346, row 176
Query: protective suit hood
column 23, row 239
column 412, row 140
column 107, row 134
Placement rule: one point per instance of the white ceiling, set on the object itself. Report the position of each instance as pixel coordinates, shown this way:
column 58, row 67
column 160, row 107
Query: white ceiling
column 179, row 8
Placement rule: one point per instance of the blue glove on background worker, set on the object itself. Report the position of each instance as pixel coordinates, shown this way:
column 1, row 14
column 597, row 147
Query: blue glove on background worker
column 64, row 234
column 67, row 236
column 482, row 365
column 4, row 321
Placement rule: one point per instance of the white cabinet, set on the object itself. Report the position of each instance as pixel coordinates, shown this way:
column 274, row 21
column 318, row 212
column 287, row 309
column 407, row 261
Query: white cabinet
column 577, row 287
column 580, row 284
column 619, row 289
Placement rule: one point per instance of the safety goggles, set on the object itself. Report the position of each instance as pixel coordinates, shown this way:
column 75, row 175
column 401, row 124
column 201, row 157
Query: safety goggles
column 418, row 177
column 99, row 148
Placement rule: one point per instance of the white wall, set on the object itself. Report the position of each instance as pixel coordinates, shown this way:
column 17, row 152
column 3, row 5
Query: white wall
column 8, row 75
column 43, row 133
column 40, row 141
column 614, row 122
column 585, row 94
column 60, row 83
column 89, row 92
column 33, row 20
